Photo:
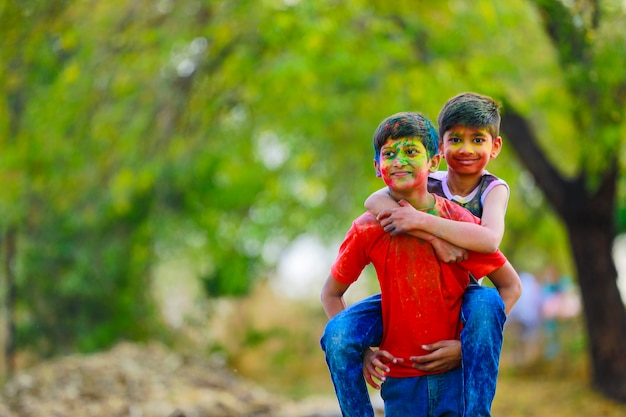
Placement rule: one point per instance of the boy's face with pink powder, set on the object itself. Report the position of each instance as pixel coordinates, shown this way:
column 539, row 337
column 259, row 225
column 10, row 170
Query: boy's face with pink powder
column 404, row 164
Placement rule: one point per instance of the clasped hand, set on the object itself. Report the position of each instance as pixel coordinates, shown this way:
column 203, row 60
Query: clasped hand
column 444, row 356
column 407, row 219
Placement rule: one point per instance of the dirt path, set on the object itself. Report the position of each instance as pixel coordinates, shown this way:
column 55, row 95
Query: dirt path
column 144, row 381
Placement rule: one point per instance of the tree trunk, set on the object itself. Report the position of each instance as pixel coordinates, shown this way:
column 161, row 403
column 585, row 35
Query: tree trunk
column 589, row 217
column 590, row 223
column 603, row 308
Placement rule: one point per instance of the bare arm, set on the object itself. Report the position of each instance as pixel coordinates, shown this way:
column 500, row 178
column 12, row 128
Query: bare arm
column 494, row 211
column 484, row 238
column 332, row 296
column 508, row 283
column 381, row 201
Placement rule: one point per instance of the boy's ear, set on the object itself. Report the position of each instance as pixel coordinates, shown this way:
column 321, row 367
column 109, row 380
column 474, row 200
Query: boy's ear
column 496, row 147
column 377, row 168
column 434, row 162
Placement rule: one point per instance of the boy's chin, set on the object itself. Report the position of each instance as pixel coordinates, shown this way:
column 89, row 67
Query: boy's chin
column 402, row 186
column 401, row 192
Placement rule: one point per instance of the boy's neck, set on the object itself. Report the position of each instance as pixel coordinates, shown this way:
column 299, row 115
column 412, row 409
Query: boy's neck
column 463, row 185
column 421, row 201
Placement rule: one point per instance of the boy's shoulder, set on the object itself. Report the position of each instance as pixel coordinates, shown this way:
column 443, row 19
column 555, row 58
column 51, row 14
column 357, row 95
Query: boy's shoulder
column 366, row 221
column 364, row 230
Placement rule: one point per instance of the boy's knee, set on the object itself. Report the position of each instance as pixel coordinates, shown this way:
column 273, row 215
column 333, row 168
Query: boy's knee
column 341, row 338
column 326, row 336
column 483, row 303
column 482, row 296
column 333, row 336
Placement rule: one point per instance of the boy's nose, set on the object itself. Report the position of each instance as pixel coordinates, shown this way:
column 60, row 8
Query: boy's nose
column 467, row 148
column 400, row 160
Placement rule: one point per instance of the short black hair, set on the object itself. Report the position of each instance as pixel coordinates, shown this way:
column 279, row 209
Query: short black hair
column 406, row 125
column 470, row 110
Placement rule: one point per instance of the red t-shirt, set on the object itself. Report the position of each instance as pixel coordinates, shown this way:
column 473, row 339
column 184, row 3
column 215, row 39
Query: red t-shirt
column 421, row 296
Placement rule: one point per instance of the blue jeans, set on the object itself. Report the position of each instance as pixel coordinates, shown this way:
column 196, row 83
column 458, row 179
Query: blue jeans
column 359, row 326
column 438, row 395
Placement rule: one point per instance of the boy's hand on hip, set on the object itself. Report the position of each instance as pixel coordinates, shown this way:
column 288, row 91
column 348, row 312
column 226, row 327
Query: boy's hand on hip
column 444, row 356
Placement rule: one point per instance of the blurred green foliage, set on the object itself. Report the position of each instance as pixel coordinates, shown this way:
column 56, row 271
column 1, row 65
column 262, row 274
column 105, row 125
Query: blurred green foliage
column 132, row 132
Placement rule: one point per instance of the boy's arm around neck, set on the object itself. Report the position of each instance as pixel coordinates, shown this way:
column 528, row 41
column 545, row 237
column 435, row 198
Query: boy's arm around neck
column 399, row 218
column 382, row 202
column 508, row 283
column 484, row 237
column 379, row 200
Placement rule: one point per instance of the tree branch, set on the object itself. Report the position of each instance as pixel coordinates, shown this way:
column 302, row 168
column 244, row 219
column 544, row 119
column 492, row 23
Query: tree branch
column 554, row 186
column 568, row 37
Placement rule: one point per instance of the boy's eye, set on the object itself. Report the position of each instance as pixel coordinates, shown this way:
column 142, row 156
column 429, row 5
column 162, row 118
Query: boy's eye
column 479, row 140
column 388, row 154
column 412, row 151
column 454, row 140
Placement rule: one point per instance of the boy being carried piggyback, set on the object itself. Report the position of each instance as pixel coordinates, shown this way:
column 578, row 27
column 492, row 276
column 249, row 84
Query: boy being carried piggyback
column 420, row 306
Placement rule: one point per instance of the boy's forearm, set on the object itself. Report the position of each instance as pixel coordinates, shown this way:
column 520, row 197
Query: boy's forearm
column 333, row 306
column 470, row 236
column 508, row 283
column 421, row 235
column 510, row 296
column 332, row 297
column 465, row 235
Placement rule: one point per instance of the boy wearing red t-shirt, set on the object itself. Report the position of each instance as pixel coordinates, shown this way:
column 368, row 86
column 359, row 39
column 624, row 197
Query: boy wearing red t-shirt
column 421, row 296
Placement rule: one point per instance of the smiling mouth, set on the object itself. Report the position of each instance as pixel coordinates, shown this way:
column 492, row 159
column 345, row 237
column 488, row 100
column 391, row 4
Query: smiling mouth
column 400, row 173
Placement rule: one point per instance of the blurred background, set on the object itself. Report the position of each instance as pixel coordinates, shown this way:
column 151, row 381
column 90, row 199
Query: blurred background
column 181, row 173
